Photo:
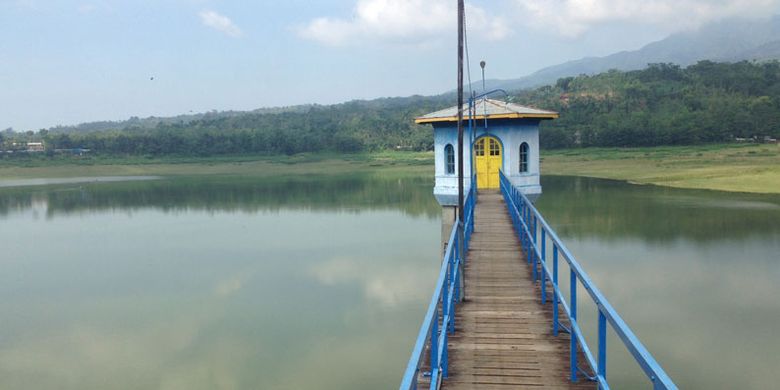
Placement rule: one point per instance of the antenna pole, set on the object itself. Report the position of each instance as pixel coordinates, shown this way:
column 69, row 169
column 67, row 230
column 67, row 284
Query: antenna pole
column 461, row 212
column 461, row 13
column 482, row 65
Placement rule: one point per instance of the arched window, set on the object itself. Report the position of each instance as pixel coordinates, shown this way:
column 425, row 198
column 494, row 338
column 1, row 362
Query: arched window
column 523, row 157
column 449, row 159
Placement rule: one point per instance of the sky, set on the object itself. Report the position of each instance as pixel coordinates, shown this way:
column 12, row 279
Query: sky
column 64, row 62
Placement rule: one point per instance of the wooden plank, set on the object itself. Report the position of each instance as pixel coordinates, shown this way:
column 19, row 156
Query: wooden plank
column 503, row 335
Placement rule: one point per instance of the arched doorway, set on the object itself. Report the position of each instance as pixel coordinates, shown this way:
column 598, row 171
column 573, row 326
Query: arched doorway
column 487, row 161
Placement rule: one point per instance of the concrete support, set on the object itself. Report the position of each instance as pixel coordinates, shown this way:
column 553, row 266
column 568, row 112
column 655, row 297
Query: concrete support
column 448, row 216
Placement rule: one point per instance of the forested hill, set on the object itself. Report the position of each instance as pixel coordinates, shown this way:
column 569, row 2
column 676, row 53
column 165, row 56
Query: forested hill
column 379, row 124
column 661, row 105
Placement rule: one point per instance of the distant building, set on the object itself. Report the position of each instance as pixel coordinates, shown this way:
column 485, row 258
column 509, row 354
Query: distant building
column 35, row 147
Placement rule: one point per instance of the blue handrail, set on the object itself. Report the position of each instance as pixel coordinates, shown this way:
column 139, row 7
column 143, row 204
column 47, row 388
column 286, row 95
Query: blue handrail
column 446, row 295
column 529, row 225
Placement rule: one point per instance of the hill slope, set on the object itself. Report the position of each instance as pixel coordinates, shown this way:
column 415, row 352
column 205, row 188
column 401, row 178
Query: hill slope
column 731, row 40
column 661, row 105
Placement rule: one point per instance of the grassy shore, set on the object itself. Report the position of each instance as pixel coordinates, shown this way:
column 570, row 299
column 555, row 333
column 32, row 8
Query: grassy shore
column 733, row 167
column 230, row 165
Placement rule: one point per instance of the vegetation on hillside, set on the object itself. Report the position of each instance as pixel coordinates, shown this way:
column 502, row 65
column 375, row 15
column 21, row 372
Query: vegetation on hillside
column 380, row 124
column 661, row 105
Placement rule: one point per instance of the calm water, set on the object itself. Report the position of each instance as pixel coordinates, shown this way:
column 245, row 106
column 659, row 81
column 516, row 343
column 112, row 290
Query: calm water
column 285, row 283
column 696, row 274
column 229, row 283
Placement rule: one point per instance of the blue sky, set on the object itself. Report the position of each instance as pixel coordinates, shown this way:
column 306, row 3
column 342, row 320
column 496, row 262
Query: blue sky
column 66, row 62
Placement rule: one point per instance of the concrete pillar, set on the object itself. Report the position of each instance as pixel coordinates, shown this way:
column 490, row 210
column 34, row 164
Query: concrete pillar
column 448, row 216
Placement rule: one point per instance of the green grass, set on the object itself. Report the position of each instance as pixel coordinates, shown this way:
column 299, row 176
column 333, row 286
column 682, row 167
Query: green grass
column 71, row 166
column 731, row 167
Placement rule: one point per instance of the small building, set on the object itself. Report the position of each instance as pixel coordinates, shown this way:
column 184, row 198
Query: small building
column 35, row 147
column 505, row 137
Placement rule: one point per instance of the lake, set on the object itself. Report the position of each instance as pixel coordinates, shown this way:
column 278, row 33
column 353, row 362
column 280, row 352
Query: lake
column 312, row 281
column 694, row 273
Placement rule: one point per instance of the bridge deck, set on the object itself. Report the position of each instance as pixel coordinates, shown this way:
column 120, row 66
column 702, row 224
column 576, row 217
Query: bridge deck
column 503, row 335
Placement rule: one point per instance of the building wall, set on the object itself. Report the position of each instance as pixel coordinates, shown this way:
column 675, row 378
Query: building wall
column 511, row 134
column 446, row 187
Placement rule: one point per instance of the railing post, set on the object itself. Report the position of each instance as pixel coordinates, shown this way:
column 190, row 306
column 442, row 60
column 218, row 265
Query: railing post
column 446, row 298
column 529, row 226
column 450, row 325
column 434, row 340
column 542, row 268
column 444, row 358
column 536, row 259
column 602, row 363
column 457, row 296
column 453, row 299
column 555, row 294
column 526, row 219
column 573, row 333
column 460, row 256
column 527, row 232
column 522, row 222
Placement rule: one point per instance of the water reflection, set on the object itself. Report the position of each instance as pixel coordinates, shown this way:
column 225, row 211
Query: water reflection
column 694, row 273
column 293, row 282
column 230, row 284
column 353, row 192
column 613, row 210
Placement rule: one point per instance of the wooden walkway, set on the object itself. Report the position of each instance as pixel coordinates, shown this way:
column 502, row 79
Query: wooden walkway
column 503, row 336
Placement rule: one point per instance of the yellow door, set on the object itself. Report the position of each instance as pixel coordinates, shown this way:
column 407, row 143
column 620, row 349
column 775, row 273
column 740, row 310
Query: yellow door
column 487, row 162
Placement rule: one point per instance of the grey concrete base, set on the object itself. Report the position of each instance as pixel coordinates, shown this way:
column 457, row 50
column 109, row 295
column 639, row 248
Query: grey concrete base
column 448, row 196
column 448, row 216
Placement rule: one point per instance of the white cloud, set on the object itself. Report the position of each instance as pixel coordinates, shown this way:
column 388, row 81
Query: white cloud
column 409, row 21
column 388, row 284
column 574, row 17
column 220, row 23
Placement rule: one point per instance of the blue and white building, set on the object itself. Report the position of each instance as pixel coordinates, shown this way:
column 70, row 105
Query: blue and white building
column 504, row 136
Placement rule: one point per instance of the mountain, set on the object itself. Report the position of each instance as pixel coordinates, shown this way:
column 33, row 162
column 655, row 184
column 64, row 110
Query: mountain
column 663, row 104
column 727, row 41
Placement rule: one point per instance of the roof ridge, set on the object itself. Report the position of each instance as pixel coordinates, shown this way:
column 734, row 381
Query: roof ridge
column 490, row 109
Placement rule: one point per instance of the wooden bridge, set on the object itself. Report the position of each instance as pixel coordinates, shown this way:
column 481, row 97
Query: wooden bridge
column 502, row 336
column 498, row 319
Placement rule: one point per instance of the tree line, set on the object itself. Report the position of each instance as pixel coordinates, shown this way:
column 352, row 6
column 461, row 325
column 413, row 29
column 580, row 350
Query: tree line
column 663, row 104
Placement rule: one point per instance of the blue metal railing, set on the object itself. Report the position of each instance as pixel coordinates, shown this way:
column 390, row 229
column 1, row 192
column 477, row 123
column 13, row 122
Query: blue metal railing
column 447, row 294
column 534, row 234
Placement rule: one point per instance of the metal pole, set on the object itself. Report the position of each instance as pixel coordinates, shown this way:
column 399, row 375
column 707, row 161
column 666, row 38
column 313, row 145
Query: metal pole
column 461, row 213
column 482, row 65
column 484, row 106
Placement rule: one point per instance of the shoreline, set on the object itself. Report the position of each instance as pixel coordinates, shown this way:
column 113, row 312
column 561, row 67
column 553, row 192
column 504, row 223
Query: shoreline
column 739, row 168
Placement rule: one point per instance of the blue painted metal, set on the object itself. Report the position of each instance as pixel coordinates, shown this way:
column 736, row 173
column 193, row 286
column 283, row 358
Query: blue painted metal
column 525, row 219
column 555, row 284
column 602, row 363
column 573, row 318
column 544, row 274
column 434, row 330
